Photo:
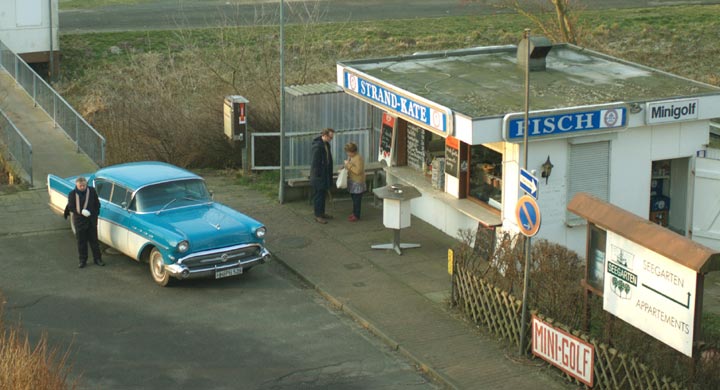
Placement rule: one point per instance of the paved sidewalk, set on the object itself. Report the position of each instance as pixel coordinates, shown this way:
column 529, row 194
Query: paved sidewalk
column 401, row 299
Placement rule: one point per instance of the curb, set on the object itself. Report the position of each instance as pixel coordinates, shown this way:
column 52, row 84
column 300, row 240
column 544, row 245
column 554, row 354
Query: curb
column 436, row 376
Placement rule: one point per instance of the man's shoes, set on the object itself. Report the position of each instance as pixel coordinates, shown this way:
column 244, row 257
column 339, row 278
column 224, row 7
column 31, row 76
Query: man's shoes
column 327, row 216
column 320, row 220
column 353, row 218
column 81, row 265
column 99, row 262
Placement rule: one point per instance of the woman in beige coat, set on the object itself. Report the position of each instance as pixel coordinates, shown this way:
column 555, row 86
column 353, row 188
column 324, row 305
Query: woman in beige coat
column 356, row 178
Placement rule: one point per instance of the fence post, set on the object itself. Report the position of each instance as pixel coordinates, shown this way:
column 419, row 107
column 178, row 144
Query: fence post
column 77, row 134
column 34, row 93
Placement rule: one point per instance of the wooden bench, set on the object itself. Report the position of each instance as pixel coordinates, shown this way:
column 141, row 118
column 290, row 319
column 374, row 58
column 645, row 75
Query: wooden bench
column 371, row 170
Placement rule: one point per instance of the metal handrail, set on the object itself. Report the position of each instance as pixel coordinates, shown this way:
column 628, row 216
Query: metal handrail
column 18, row 146
column 86, row 138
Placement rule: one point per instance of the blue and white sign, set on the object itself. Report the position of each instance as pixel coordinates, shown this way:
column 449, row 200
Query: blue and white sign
column 415, row 109
column 528, row 183
column 559, row 123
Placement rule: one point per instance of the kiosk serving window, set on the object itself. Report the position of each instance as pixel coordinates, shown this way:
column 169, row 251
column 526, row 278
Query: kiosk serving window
column 485, row 175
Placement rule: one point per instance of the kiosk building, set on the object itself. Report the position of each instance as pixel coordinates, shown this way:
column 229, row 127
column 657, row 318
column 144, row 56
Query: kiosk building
column 628, row 134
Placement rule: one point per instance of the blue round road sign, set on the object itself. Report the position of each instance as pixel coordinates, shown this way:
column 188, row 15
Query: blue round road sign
column 527, row 213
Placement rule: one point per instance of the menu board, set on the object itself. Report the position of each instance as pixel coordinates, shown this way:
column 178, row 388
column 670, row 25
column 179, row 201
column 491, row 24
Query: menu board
column 387, row 135
column 415, row 147
column 452, row 156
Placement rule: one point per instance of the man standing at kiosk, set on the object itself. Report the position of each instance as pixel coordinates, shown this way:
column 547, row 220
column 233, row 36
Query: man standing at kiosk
column 321, row 172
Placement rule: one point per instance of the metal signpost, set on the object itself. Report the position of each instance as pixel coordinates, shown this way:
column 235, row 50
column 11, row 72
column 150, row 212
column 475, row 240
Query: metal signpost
column 526, row 281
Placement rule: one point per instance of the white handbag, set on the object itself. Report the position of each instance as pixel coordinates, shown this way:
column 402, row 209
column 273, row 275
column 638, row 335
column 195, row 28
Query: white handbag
column 342, row 178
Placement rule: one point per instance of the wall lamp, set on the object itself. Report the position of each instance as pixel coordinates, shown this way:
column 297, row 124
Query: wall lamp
column 547, row 169
column 635, row 108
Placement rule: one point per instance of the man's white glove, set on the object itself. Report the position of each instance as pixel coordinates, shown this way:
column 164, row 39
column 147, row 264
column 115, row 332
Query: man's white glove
column 85, row 212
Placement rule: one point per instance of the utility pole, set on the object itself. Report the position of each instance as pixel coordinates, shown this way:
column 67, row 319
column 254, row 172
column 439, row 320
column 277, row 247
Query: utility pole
column 526, row 279
column 281, row 191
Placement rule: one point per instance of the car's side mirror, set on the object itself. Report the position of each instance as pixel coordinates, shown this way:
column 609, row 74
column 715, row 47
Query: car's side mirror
column 212, row 195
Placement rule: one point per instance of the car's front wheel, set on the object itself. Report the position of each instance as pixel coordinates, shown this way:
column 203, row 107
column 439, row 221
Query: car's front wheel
column 157, row 268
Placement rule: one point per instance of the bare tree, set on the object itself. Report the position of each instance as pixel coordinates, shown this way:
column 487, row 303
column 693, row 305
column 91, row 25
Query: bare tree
column 563, row 29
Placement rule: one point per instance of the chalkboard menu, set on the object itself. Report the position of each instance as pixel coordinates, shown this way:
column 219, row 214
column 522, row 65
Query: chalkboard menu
column 415, row 147
column 452, row 156
column 387, row 133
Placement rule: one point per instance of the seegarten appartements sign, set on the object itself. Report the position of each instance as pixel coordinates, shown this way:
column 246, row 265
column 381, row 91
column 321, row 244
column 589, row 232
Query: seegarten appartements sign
column 412, row 108
column 557, row 123
column 650, row 292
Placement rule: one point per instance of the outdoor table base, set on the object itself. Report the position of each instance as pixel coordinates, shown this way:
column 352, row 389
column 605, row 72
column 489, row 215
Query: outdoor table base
column 396, row 244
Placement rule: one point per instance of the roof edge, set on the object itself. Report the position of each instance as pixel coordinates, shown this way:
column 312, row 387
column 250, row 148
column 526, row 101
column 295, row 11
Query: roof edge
column 654, row 237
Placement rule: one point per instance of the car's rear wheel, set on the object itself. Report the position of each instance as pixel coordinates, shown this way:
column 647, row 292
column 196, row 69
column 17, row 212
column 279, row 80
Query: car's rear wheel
column 157, row 268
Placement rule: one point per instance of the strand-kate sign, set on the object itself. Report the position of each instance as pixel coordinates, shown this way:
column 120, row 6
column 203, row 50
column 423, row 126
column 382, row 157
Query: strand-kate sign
column 415, row 109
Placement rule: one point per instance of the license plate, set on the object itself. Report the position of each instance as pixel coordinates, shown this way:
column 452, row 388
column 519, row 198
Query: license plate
column 228, row 272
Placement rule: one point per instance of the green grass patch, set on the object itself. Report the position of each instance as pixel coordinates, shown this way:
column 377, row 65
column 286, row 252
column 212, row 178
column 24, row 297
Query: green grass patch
column 89, row 4
column 267, row 182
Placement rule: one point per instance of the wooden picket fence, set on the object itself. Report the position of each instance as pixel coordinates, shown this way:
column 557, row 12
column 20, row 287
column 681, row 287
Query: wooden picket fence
column 501, row 313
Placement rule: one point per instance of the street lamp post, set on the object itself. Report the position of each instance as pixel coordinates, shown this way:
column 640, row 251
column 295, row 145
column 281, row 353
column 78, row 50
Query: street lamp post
column 281, row 191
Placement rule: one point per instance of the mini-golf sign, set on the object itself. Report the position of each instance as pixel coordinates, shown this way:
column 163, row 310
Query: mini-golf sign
column 527, row 214
column 650, row 292
column 563, row 350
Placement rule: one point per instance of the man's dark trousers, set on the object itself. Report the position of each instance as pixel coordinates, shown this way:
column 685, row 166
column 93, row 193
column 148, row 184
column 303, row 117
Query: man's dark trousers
column 319, row 200
column 87, row 235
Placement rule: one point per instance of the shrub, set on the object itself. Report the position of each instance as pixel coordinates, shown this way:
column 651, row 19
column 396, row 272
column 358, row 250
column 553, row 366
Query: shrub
column 27, row 367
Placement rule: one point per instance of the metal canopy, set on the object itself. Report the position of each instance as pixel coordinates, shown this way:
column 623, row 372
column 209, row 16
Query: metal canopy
column 663, row 241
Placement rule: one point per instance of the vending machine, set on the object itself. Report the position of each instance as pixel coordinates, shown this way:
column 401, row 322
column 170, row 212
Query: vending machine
column 235, row 114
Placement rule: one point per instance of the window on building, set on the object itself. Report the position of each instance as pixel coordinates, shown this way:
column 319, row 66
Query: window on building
column 485, row 175
column 596, row 259
column 588, row 171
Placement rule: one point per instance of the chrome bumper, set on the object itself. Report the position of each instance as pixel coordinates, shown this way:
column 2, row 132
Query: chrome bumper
column 181, row 271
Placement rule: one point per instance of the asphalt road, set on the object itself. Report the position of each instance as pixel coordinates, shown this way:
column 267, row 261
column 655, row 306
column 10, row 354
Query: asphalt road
column 263, row 330
column 169, row 14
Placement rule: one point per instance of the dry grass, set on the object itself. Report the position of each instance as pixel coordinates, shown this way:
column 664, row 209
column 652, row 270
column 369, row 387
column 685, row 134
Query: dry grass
column 163, row 90
column 24, row 366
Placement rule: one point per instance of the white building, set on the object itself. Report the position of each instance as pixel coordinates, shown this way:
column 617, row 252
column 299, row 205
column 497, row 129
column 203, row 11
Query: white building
column 30, row 29
column 634, row 136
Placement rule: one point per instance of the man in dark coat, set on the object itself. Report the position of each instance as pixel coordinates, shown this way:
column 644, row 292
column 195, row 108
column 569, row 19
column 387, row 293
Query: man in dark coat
column 84, row 205
column 321, row 173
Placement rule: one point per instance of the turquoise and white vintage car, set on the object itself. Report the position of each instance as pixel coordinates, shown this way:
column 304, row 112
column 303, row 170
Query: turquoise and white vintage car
column 164, row 215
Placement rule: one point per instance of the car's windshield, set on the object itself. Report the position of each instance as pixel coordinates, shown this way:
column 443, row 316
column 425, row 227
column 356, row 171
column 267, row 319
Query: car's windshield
column 170, row 195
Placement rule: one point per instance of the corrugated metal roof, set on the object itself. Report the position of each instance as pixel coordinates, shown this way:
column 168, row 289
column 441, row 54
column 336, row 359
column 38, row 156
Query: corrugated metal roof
column 678, row 248
column 312, row 89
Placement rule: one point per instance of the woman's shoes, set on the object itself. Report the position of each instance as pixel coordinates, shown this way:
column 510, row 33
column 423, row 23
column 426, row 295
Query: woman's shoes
column 353, row 218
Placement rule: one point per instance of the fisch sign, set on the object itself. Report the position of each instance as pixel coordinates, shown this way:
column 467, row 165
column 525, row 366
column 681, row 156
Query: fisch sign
column 563, row 350
column 554, row 123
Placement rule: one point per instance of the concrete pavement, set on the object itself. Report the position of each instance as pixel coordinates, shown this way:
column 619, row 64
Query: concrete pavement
column 401, row 299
